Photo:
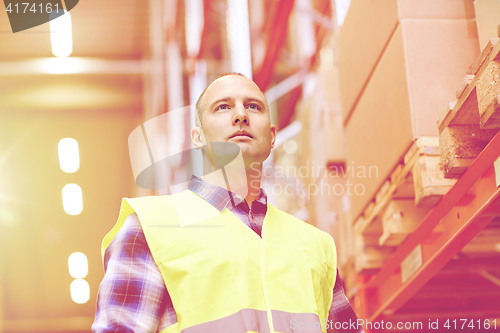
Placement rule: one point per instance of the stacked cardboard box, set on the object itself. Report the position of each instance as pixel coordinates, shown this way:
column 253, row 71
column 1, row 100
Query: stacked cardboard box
column 488, row 20
column 400, row 63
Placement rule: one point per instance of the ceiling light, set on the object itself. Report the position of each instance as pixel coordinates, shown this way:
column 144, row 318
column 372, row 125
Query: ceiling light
column 80, row 291
column 78, row 265
column 72, row 199
column 69, row 156
column 61, row 37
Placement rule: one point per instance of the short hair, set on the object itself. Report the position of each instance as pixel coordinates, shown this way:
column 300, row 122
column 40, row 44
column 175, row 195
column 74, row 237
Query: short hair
column 199, row 103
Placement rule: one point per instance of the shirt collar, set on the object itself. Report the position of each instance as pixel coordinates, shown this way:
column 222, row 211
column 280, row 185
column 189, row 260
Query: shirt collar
column 220, row 197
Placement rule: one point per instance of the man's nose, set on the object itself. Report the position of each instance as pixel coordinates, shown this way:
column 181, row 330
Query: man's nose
column 240, row 115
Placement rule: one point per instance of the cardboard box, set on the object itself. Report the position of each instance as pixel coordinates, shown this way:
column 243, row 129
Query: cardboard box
column 418, row 73
column 367, row 29
column 487, row 19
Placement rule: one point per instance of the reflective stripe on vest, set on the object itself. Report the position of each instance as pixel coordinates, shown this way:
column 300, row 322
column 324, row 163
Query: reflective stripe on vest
column 222, row 277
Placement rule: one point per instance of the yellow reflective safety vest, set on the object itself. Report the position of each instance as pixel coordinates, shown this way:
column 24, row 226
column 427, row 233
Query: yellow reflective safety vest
column 222, row 277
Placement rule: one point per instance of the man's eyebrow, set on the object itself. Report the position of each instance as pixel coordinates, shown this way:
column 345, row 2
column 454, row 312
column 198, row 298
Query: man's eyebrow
column 225, row 99
column 253, row 99
column 246, row 99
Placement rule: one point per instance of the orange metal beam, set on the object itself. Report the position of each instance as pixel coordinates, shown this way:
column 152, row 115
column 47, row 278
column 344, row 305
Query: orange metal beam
column 287, row 109
column 321, row 32
column 466, row 209
column 275, row 30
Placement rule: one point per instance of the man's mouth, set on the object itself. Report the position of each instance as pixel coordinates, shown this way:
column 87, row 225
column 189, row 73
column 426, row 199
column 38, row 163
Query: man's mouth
column 241, row 134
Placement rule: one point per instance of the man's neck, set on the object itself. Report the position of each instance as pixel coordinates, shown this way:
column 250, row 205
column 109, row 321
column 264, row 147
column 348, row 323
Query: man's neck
column 240, row 179
column 254, row 178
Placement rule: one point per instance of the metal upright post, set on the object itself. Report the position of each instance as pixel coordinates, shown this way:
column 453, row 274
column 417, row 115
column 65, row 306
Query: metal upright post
column 194, row 23
column 238, row 32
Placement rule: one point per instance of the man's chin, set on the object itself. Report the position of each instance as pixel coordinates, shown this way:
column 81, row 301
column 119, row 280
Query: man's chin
column 245, row 146
column 250, row 157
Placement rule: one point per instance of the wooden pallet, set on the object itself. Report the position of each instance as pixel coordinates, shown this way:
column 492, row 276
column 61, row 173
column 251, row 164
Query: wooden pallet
column 369, row 256
column 400, row 219
column 401, row 203
column 467, row 125
column 419, row 178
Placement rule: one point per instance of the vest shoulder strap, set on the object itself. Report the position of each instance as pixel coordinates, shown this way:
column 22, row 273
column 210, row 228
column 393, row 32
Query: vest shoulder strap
column 315, row 241
column 177, row 208
column 128, row 207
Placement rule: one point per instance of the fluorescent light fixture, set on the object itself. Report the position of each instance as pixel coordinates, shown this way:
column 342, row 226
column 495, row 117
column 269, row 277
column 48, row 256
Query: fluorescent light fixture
column 61, row 37
column 78, row 265
column 307, row 39
column 194, row 26
column 342, row 6
column 80, row 291
column 73, row 65
column 63, row 65
column 72, row 199
column 238, row 32
column 69, row 156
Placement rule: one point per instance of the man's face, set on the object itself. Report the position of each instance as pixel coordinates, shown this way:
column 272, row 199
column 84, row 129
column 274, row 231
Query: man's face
column 234, row 110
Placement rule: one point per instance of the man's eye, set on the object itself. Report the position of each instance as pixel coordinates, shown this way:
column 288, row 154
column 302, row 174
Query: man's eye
column 222, row 107
column 254, row 106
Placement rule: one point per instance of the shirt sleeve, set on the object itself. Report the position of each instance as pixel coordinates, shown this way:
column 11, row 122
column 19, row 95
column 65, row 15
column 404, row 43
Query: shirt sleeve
column 132, row 296
column 341, row 317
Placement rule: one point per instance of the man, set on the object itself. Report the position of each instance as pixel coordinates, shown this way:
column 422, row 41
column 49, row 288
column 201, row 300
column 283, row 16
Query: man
column 244, row 266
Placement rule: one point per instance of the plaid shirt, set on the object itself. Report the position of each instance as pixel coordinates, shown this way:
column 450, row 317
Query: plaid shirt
column 132, row 295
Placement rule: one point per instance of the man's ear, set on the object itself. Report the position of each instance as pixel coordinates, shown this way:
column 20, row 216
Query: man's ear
column 197, row 137
column 273, row 135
